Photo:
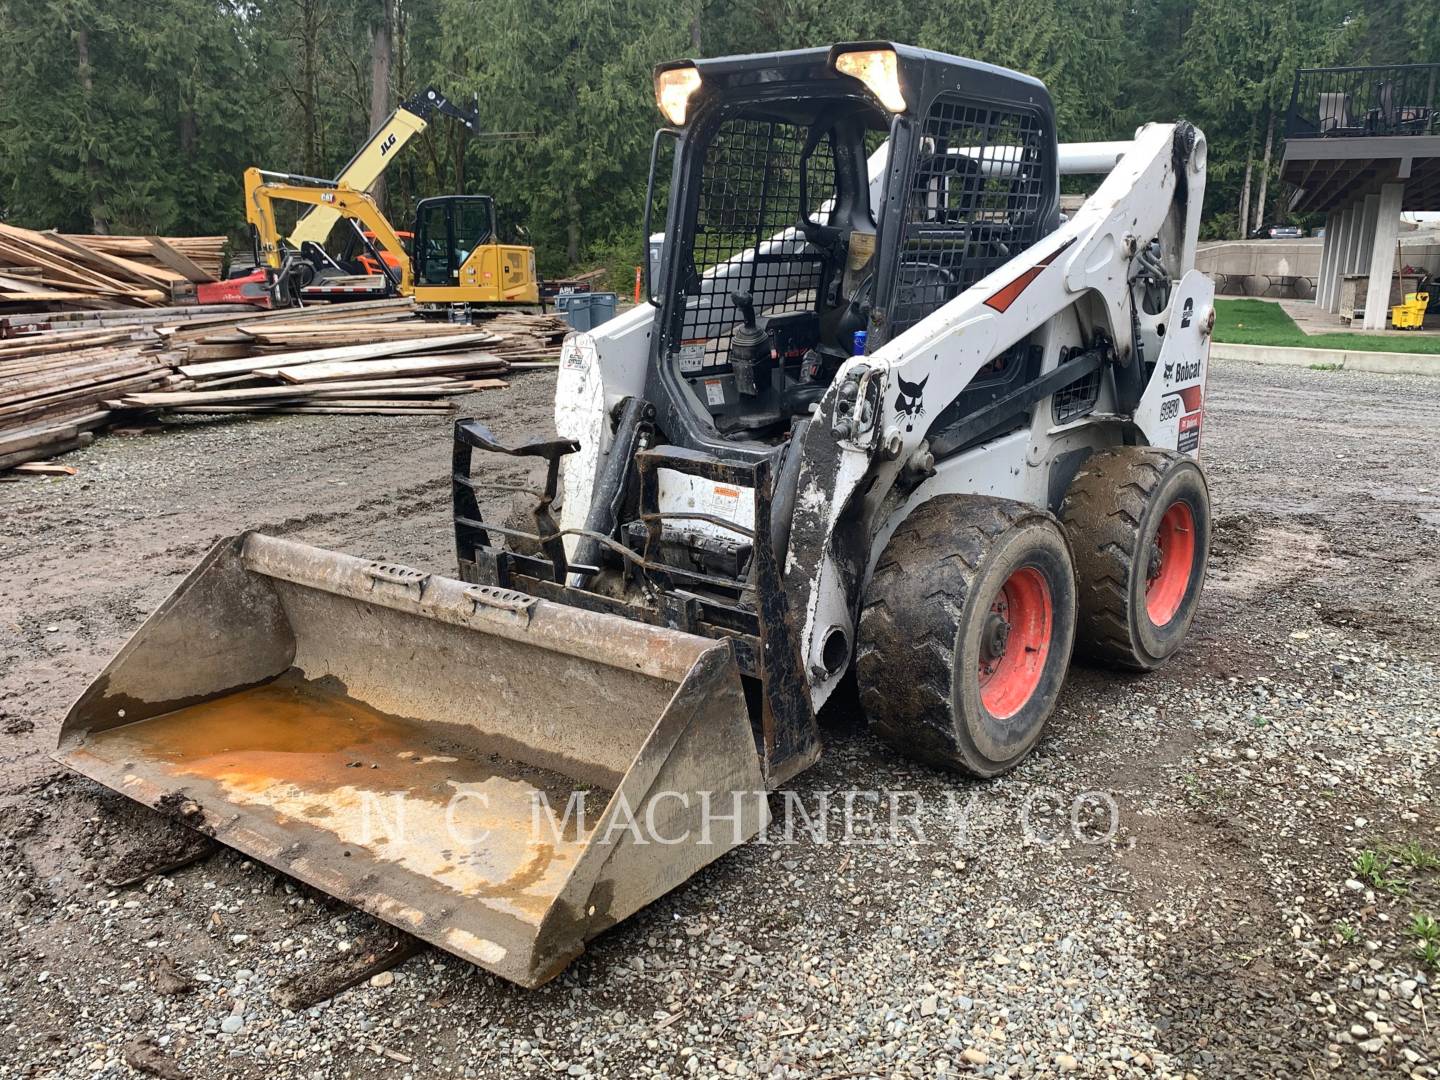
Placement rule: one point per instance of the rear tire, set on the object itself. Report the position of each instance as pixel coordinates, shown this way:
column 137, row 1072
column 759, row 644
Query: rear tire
column 1139, row 524
column 966, row 632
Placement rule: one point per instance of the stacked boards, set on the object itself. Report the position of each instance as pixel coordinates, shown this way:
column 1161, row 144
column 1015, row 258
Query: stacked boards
column 76, row 373
column 52, row 387
column 48, row 270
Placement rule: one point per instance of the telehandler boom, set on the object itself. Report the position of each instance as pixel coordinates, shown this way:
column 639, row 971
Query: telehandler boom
column 409, row 119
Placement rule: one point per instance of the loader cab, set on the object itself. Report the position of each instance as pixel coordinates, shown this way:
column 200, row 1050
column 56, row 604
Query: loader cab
column 821, row 202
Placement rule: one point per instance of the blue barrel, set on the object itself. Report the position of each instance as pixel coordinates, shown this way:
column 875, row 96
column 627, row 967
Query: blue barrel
column 575, row 307
column 585, row 311
column 602, row 307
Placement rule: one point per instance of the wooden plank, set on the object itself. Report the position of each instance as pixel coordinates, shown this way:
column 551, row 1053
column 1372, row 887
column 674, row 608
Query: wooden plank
column 377, row 408
column 44, row 468
column 85, row 395
column 249, row 313
column 287, row 334
column 339, row 353
column 178, row 262
column 205, row 251
column 44, row 429
column 84, row 438
column 121, row 269
column 42, row 348
column 166, row 398
column 204, row 354
column 400, row 365
column 54, row 382
column 66, row 273
column 35, row 365
column 42, row 297
column 49, row 252
column 29, row 438
column 422, row 391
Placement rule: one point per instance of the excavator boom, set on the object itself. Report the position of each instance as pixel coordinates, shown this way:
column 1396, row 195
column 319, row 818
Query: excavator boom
column 261, row 195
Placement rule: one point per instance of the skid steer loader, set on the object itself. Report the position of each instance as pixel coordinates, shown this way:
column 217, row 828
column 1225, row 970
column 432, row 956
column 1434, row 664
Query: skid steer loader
column 886, row 411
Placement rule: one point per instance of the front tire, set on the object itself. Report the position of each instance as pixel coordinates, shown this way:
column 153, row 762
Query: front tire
column 1139, row 524
column 966, row 632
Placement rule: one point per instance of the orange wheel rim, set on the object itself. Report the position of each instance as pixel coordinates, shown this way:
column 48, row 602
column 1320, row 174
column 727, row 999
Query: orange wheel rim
column 1172, row 563
column 1015, row 642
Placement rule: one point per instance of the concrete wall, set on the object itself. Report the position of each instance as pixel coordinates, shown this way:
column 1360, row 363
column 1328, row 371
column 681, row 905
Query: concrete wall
column 1251, row 267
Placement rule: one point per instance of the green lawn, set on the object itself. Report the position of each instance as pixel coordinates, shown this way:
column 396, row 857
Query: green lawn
column 1261, row 322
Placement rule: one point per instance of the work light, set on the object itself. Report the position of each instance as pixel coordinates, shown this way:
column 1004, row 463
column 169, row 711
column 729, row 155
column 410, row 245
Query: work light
column 879, row 70
column 673, row 89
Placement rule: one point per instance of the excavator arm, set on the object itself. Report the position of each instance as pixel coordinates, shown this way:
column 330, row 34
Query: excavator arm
column 408, row 120
column 341, row 201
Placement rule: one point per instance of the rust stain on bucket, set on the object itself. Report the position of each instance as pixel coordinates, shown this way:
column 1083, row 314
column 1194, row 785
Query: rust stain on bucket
column 449, row 809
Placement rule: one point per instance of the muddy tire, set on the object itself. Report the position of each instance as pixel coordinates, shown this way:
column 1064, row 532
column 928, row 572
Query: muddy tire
column 966, row 631
column 1139, row 525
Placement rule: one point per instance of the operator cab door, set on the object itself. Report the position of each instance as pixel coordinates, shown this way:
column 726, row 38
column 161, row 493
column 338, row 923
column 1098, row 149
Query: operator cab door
column 449, row 232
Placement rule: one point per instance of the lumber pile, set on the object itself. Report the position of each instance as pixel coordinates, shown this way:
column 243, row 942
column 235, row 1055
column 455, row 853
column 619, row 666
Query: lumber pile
column 41, row 270
column 66, row 375
column 205, row 252
column 52, row 387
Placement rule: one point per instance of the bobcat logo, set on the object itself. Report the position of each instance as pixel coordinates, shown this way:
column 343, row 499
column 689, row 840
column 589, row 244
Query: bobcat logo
column 907, row 402
column 1169, row 372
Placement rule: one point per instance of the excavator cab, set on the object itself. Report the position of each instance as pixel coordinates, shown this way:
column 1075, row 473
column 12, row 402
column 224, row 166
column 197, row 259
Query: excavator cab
column 459, row 258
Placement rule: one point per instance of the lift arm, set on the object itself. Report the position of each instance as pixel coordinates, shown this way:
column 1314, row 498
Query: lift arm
column 408, row 120
column 341, row 201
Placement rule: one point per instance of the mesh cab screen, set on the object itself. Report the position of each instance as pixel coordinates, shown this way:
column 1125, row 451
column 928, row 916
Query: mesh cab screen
column 750, row 192
column 978, row 197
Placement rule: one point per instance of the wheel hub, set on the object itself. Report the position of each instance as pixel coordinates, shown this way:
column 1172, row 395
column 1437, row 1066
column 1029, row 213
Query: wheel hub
column 1157, row 561
column 1021, row 615
column 995, row 637
column 1172, row 563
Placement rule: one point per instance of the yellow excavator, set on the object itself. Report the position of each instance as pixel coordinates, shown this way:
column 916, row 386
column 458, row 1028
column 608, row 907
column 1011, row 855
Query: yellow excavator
column 455, row 257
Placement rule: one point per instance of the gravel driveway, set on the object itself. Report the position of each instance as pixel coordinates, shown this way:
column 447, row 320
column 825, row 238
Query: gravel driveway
column 1221, row 869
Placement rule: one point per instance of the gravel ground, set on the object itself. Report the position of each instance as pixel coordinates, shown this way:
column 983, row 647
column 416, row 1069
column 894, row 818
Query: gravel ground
column 1214, row 870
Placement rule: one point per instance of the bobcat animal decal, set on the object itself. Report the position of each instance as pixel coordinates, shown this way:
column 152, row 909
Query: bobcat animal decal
column 908, row 403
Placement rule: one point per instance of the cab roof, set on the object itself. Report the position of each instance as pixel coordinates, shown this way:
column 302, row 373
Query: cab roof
column 924, row 74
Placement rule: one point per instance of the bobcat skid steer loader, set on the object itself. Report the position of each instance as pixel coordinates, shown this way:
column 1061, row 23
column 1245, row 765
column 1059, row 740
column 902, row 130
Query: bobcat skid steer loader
column 885, row 411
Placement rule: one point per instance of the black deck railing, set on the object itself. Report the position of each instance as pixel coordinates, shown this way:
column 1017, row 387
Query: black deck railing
column 1335, row 103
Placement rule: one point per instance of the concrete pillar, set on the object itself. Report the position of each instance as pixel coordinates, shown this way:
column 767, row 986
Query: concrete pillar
column 1351, row 262
column 1325, row 280
column 1345, row 234
column 1382, row 255
column 1367, row 234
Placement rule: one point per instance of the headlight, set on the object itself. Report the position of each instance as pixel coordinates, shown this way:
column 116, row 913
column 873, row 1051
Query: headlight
column 673, row 89
column 879, row 69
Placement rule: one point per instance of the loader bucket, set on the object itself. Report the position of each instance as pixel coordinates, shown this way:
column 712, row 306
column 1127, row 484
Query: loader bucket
column 500, row 775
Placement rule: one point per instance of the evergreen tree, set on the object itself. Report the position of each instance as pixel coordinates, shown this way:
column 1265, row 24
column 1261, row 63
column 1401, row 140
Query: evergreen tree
column 125, row 115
